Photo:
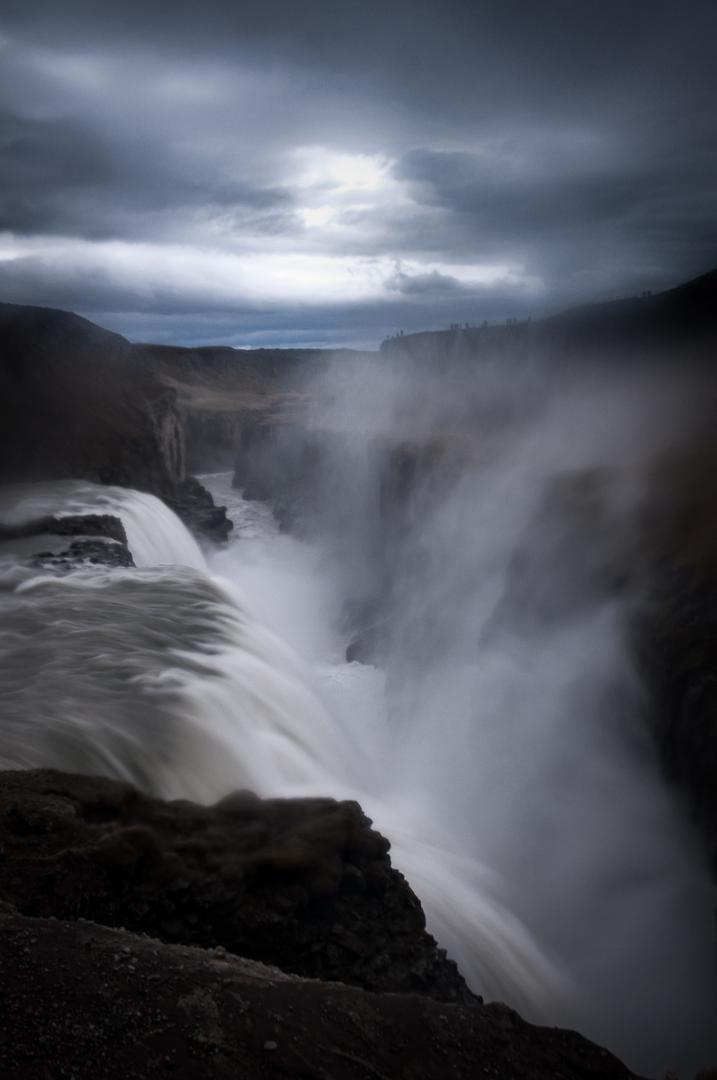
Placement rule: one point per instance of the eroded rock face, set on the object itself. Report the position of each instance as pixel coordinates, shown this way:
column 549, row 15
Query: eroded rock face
column 676, row 635
column 304, row 884
column 195, row 506
column 77, row 401
column 93, row 1003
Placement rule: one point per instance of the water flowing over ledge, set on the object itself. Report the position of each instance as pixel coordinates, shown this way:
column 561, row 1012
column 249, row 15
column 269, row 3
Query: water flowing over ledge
column 178, row 677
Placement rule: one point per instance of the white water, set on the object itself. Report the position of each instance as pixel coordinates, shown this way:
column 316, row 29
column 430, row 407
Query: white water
column 173, row 680
column 282, row 583
column 501, row 751
column 521, row 795
column 151, row 527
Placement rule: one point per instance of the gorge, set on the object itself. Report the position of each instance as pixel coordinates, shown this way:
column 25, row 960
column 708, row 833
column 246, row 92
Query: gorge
column 465, row 583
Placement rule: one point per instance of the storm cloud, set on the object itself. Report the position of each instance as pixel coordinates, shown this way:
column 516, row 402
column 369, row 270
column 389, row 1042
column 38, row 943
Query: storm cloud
column 318, row 173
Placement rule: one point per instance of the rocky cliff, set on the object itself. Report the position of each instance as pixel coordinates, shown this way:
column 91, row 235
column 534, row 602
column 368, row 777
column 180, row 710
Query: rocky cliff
column 676, row 635
column 78, row 401
column 306, row 885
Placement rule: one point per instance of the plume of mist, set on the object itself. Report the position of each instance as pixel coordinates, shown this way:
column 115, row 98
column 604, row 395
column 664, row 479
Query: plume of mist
column 473, row 533
column 480, row 530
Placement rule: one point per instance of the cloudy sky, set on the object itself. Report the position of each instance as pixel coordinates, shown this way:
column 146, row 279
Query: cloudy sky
column 261, row 172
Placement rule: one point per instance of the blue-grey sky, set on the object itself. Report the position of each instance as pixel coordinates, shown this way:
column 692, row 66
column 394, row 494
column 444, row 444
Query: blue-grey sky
column 293, row 172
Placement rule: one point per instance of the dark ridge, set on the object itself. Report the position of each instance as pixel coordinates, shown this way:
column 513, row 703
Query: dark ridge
column 683, row 317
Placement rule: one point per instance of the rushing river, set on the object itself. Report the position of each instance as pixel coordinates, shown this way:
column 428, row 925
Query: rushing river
column 507, row 762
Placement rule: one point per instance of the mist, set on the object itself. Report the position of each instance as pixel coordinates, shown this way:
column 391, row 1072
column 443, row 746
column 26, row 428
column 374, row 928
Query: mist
column 429, row 606
column 476, row 536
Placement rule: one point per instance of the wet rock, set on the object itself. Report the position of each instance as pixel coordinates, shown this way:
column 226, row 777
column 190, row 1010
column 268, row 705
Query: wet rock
column 82, row 552
column 97, row 525
column 100, row 539
column 195, row 506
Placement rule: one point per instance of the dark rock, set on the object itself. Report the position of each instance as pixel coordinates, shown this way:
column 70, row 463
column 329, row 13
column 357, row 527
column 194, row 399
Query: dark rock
column 654, row 325
column 78, row 401
column 97, row 552
column 85, row 1001
column 195, row 506
column 105, row 525
column 675, row 632
column 302, row 883
column 279, row 463
column 101, row 540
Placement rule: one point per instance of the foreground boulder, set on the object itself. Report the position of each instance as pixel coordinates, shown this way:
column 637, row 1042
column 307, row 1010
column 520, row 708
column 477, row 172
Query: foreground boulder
column 305, row 884
column 79, row 1000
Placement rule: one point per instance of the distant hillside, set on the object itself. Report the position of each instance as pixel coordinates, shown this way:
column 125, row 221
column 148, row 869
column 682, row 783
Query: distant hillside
column 77, row 400
column 685, row 316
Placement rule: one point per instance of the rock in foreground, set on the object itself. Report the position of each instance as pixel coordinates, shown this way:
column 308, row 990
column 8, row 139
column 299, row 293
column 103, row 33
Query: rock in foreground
column 305, row 884
column 83, row 1001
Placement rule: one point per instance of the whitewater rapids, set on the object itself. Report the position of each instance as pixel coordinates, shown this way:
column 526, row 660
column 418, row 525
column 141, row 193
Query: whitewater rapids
column 202, row 672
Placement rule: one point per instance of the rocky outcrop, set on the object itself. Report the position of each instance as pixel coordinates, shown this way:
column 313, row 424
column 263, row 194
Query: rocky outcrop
column 106, row 894
column 78, row 401
column 676, row 633
column 75, row 402
column 191, row 502
column 222, row 391
column 99, row 539
column 79, row 1000
column 83, row 552
column 304, row 884
column 100, row 525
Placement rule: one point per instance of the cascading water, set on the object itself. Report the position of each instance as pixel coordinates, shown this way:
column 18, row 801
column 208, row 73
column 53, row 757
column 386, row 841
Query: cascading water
column 165, row 677
column 151, row 527
column 497, row 741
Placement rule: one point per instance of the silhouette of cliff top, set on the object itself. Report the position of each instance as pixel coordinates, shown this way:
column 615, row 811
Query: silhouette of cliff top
column 42, row 338
column 686, row 314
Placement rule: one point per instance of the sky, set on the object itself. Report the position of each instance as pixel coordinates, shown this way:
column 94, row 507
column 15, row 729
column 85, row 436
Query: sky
column 286, row 172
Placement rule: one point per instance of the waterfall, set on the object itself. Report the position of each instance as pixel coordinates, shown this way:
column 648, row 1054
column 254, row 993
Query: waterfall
column 497, row 739
column 166, row 678
column 155, row 535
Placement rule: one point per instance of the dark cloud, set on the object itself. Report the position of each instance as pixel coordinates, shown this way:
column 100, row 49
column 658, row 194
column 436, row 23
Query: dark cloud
column 64, row 176
column 190, row 316
column 428, row 286
column 559, row 213
column 563, row 144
